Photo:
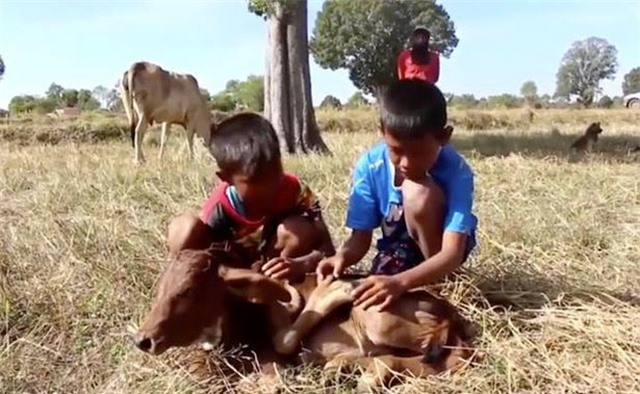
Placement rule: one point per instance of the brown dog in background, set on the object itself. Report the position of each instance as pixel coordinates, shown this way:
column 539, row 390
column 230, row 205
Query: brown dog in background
column 590, row 137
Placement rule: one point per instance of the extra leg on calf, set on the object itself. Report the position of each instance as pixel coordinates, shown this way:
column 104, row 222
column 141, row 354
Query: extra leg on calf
column 324, row 299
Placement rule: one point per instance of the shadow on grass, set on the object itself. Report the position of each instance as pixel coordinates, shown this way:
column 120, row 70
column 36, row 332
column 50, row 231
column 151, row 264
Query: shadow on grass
column 518, row 289
column 541, row 144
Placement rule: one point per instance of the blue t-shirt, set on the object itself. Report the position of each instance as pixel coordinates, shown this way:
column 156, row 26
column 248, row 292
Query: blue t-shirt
column 376, row 202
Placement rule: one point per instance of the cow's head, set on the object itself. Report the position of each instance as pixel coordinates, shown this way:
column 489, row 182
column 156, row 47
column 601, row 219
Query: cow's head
column 190, row 302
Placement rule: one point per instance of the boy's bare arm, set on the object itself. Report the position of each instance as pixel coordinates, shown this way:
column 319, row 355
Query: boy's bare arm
column 326, row 246
column 325, row 249
column 351, row 252
column 437, row 266
column 355, row 247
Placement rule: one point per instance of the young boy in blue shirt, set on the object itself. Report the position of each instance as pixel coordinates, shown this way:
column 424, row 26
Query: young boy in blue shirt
column 418, row 189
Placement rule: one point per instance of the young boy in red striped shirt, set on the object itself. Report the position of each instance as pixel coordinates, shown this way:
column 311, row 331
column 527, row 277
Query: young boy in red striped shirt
column 258, row 209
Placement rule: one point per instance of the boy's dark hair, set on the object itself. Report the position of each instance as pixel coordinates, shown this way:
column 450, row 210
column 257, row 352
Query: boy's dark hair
column 421, row 30
column 411, row 108
column 245, row 143
column 419, row 45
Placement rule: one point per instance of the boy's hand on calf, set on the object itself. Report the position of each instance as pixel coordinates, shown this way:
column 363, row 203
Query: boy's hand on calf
column 333, row 265
column 378, row 291
column 283, row 268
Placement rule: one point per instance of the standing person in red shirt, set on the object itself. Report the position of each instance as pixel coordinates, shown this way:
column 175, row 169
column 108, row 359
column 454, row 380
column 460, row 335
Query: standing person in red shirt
column 418, row 61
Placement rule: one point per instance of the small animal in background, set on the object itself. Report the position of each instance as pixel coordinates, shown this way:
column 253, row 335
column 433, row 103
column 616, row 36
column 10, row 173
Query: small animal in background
column 590, row 137
column 531, row 115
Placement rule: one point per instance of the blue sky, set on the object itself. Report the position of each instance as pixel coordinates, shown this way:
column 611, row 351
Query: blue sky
column 81, row 44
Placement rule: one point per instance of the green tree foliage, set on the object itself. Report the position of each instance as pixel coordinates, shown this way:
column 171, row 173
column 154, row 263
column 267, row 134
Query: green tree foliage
column 631, row 83
column 55, row 91
column 605, row 102
column 331, row 102
column 69, row 97
column 20, row 104
column 263, row 8
column 86, row 101
column 504, row 100
column 545, row 99
column 366, row 36
column 618, row 101
column 357, row 100
column 583, row 66
column 464, row 101
column 28, row 103
column 248, row 94
column 45, row 105
column 529, row 91
column 223, row 102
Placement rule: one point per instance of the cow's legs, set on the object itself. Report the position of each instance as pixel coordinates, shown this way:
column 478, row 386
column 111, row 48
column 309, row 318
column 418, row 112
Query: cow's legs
column 190, row 132
column 141, row 127
column 166, row 126
column 325, row 298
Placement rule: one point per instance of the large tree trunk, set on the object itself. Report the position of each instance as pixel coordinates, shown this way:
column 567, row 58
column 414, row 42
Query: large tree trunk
column 279, row 80
column 288, row 103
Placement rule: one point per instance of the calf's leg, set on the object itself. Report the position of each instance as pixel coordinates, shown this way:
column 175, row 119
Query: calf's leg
column 325, row 298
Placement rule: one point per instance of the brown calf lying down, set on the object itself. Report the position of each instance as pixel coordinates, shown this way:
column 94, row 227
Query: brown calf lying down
column 419, row 333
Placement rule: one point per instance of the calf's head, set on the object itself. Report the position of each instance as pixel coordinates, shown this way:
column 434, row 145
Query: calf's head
column 190, row 304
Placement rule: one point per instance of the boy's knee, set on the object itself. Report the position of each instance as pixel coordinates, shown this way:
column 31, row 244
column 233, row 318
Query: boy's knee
column 187, row 232
column 423, row 198
column 296, row 235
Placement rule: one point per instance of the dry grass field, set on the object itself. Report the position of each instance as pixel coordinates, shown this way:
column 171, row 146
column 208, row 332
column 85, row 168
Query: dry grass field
column 552, row 287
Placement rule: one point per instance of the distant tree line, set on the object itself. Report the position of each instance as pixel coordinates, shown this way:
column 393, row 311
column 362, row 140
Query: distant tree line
column 57, row 97
column 585, row 64
column 249, row 95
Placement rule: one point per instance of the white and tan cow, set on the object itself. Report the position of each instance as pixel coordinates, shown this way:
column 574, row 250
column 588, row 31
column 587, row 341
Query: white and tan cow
column 151, row 94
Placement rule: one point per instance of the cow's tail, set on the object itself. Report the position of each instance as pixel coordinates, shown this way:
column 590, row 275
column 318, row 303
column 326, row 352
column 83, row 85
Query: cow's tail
column 127, row 101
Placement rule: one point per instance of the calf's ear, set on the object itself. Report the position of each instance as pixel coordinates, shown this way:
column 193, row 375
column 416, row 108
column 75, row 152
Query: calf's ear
column 252, row 286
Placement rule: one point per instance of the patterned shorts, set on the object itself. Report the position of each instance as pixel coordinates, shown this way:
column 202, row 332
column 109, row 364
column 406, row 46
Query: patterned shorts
column 403, row 253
